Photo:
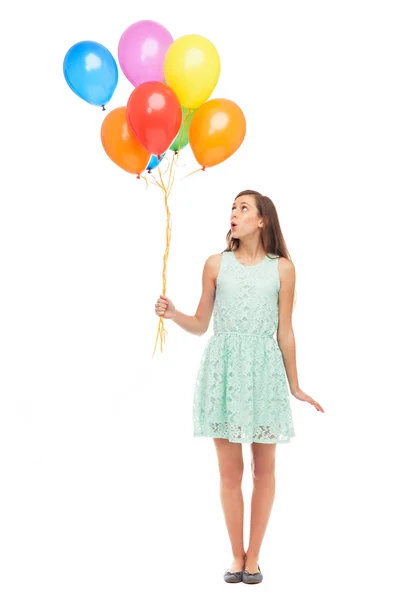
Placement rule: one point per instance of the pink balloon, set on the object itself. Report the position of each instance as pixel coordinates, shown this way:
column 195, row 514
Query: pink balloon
column 141, row 51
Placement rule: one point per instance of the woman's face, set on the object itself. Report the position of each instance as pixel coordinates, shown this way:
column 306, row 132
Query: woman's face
column 244, row 217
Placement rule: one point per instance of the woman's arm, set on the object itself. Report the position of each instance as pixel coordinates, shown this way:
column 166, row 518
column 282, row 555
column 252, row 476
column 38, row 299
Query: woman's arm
column 198, row 324
column 285, row 334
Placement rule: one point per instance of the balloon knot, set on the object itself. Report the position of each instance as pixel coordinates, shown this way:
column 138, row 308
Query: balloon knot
column 103, row 107
column 203, row 168
column 138, row 176
column 158, row 156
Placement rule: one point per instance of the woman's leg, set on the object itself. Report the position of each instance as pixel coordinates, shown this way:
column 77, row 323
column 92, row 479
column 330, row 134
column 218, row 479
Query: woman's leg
column 263, row 471
column 230, row 462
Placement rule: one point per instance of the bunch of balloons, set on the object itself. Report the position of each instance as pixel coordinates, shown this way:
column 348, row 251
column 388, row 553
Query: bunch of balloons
column 169, row 107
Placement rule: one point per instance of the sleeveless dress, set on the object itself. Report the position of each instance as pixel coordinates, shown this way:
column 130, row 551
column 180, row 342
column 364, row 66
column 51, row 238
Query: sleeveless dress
column 241, row 392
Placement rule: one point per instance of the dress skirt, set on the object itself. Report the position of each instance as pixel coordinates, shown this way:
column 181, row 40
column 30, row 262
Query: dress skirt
column 241, row 391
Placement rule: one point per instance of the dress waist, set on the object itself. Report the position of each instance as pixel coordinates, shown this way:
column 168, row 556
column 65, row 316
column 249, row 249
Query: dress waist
column 268, row 336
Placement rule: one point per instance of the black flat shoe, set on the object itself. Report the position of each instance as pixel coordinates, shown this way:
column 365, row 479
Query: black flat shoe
column 252, row 577
column 230, row 577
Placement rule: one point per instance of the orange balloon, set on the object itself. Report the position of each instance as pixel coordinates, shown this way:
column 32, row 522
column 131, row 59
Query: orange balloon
column 121, row 145
column 216, row 131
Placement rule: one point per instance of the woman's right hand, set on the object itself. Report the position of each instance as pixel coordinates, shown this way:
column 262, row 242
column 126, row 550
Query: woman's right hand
column 165, row 308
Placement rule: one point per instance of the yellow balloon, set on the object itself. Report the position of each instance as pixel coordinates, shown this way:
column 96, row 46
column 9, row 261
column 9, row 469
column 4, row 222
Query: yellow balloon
column 191, row 68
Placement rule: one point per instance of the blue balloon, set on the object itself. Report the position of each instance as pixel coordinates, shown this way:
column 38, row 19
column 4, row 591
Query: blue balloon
column 91, row 72
column 154, row 162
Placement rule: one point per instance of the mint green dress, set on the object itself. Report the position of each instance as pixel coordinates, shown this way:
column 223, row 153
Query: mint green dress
column 241, row 391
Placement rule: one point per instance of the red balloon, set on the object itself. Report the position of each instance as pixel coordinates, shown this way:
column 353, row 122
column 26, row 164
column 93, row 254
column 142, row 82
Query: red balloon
column 154, row 115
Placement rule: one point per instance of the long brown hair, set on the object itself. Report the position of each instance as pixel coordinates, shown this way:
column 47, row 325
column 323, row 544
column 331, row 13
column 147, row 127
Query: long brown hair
column 271, row 235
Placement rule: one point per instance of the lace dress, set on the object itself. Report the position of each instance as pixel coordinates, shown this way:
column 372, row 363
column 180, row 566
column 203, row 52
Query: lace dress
column 241, row 391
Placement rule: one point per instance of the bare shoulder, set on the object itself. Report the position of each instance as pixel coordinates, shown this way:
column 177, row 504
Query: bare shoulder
column 213, row 264
column 286, row 267
column 214, row 259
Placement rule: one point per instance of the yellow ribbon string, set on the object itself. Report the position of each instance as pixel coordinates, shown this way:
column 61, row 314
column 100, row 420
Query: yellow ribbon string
column 166, row 190
column 193, row 172
column 181, row 135
column 166, row 160
column 155, row 182
column 175, row 158
column 145, row 178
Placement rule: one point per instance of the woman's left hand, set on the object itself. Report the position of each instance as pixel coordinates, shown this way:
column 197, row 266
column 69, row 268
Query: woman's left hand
column 300, row 395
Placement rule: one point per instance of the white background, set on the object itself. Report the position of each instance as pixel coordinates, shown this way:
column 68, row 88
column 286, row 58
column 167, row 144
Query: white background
column 104, row 491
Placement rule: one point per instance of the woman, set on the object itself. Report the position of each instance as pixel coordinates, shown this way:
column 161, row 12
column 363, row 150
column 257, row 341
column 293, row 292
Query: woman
column 241, row 392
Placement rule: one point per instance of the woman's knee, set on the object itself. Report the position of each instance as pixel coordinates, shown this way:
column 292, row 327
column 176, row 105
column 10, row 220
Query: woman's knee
column 230, row 461
column 263, row 466
column 232, row 477
column 263, row 474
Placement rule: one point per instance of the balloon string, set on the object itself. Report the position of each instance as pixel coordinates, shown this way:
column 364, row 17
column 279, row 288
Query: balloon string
column 168, row 164
column 169, row 184
column 193, row 172
column 155, row 182
column 166, row 160
column 176, row 156
column 181, row 134
column 147, row 183
column 166, row 189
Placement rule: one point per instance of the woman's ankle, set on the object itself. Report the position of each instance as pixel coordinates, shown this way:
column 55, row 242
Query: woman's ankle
column 251, row 556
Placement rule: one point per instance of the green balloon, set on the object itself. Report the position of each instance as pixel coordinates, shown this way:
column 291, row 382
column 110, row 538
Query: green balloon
column 182, row 139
